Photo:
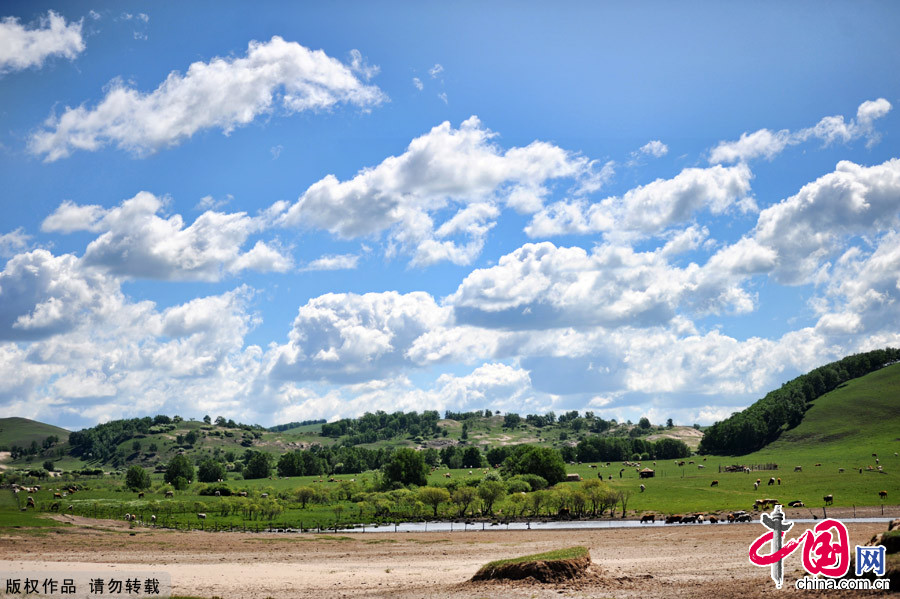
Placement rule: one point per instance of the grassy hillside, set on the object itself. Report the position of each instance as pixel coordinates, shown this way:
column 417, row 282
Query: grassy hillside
column 22, row 431
column 847, row 425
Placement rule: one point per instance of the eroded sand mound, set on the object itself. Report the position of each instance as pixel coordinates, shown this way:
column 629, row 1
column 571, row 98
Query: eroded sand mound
column 542, row 570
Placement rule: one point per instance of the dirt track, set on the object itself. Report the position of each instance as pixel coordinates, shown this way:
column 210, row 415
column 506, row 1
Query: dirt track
column 674, row 561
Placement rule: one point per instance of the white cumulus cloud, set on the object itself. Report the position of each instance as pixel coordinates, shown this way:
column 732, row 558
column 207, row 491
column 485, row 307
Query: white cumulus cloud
column 460, row 171
column 223, row 93
column 21, row 48
column 136, row 242
column 768, row 144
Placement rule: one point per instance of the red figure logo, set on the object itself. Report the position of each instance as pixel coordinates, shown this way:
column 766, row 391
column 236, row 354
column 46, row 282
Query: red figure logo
column 825, row 551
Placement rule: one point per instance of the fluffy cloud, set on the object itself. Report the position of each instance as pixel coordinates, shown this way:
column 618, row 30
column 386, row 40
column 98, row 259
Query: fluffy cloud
column 460, row 171
column 768, row 144
column 807, row 228
column 345, row 337
column 21, row 48
column 224, row 93
column 79, row 349
column 43, row 295
column 13, row 242
column 862, row 297
column 543, row 286
column 654, row 148
column 333, row 262
column 136, row 242
column 650, row 209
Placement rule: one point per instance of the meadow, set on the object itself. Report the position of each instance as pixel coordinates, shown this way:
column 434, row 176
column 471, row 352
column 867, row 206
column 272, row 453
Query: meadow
column 833, row 446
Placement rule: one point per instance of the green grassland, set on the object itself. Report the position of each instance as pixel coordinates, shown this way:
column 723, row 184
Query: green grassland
column 841, row 430
column 22, row 431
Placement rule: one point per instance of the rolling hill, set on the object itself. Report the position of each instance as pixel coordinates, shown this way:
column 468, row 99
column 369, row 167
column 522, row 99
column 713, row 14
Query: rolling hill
column 22, row 431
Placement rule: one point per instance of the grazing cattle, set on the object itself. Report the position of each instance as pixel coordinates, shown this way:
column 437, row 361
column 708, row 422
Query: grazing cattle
column 127, row 517
column 244, row 493
column 643, row 488
column 798, row 468
column 30, row 502
column 152, row 518
column 673, row 519
column 141, row 495
column 264, row 495
column 700, row 466
column 876, row 461
column 70, row 508
column 648, row 518
column 758, row 481
column 829, row 499
column 779, row 480
column 201, row 516
column 755, row 485
column 713, row 520
column 742, row 517
column 54, row 506
column 170, row 494
column 817, row 464
column 714, row 483
column 218, row 493
column 874, row 455
column 57, row 496
column 771, row 481
column 796, row 504
column 882, row 494
column 692, row 519
column 446, row 475
column 840, row 470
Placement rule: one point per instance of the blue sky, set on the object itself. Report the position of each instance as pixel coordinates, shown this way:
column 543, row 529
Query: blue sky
column 293, row 211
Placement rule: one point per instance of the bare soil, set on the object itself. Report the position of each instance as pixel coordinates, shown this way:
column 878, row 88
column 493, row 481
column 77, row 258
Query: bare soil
column 672, row 561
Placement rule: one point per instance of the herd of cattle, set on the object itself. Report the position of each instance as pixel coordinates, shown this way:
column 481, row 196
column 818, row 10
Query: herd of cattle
column 697, row 518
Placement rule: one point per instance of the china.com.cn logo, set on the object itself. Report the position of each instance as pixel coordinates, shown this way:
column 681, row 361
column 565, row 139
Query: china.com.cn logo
column 825, row 549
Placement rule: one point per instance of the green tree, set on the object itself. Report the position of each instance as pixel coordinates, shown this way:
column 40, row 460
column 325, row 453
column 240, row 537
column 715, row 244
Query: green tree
column 135, row 445
column 511, row 420
column 304, row 495
column 407, row 467
column 669, row 423
column 180, row 465
column 644, row 422
column 546, row 462
column 48, row 466
column 191, row 437
column 490, row 492
column 434, row 496
column 136, row 478
column 207, row 419
column 210, row 471
column 463, row 498
column 258, row 465
column 472, row 458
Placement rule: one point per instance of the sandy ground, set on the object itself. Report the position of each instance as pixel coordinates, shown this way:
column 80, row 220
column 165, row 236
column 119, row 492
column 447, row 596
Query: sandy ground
column 673, row 561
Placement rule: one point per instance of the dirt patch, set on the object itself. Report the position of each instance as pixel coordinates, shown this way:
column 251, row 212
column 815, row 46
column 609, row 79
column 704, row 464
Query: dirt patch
column 671, row 562
column 689, row 435
column 559, row 570
column 4, row 455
